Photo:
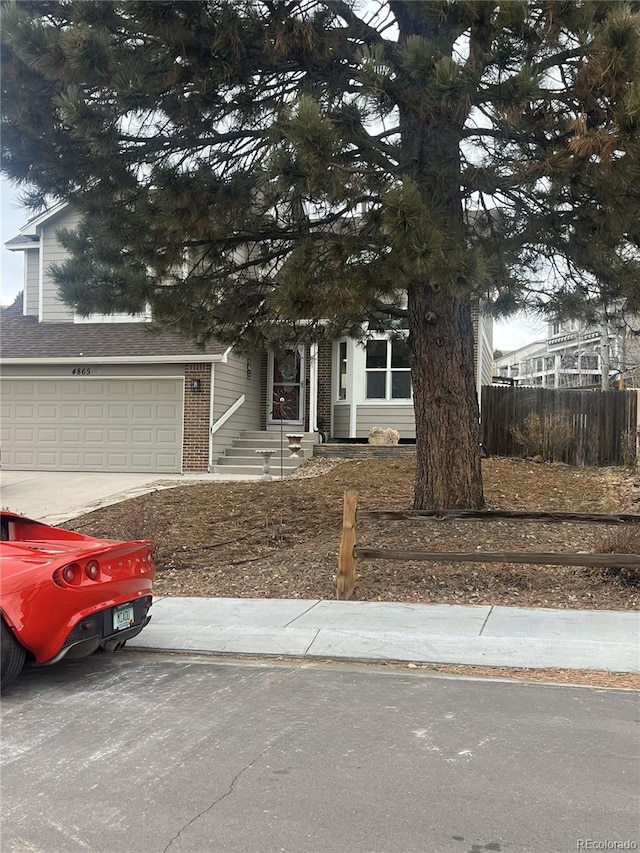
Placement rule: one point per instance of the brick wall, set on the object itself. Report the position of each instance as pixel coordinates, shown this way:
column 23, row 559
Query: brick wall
column 324, row 386
column 195, row 449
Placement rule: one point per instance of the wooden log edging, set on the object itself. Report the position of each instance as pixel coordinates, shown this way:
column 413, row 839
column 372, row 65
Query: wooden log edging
column 537, row 558
column 350, row 551
column 491, row 514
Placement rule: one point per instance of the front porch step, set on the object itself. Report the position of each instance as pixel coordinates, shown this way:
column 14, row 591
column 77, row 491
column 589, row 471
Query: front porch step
column 266, row 435
column 253, row 470
column 249, row 450
column 241, row 458
column 256, row 459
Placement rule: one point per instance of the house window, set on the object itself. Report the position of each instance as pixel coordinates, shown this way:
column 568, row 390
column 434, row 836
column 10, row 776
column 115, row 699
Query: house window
column 342, row 370
column 388, row 370
column 589, row 361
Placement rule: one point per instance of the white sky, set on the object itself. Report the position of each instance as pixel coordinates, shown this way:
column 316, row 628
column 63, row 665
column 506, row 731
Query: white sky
column 507, row 335
column 11, row 265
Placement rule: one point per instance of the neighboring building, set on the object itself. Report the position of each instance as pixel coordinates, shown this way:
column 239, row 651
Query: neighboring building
column 576, row 355
column 110, row 393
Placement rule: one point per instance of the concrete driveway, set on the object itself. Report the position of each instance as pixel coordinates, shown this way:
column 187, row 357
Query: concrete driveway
column 56, row 496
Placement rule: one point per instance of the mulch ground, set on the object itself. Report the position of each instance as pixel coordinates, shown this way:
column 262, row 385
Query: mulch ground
column 280, row 539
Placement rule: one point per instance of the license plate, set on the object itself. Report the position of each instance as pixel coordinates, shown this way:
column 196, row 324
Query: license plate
column 123, row 617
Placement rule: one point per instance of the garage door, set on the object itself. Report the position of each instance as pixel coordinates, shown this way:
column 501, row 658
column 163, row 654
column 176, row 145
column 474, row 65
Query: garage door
column 92, row 424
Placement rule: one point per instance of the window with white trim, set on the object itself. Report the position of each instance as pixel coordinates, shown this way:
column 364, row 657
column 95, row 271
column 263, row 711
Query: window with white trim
column 342, row 370
column 388, row 371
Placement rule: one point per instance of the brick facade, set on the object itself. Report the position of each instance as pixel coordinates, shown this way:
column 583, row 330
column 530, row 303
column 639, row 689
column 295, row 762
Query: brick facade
column 325, row 350
column 195, row 450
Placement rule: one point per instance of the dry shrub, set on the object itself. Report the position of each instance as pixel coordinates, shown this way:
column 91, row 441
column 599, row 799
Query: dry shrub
column 549, row 437
column 623, row 540
column 629, row 442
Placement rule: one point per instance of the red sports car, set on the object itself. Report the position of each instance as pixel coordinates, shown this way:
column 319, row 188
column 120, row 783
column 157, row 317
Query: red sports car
column 64, row 594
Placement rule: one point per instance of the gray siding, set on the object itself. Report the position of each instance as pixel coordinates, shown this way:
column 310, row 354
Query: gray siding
column 340, row 421
column 31, row 282
column 394, row 417
column 53, row 309
column 230, row 382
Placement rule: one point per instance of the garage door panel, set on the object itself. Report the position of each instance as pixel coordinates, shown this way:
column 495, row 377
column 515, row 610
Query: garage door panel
column 27, row 410
column 166, row 410
column 92, row 425
column 94, row 412
column 47, row 435
column 45, row 459
column 23, row 434
column 142, row 411
column 117, row 412
column 71, row 460
column 69, row 412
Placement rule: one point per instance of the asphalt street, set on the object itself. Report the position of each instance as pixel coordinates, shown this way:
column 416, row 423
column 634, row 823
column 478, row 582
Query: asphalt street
column 169, row 753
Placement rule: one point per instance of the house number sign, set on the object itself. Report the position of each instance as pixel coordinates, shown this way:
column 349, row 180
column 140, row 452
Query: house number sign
column 81, row 371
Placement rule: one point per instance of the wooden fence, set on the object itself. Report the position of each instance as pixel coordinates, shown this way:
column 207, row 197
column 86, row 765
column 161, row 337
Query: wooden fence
column 602, row 424
column 350, row 551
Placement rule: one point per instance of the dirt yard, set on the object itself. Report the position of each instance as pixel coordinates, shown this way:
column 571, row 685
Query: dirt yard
column 280, row 539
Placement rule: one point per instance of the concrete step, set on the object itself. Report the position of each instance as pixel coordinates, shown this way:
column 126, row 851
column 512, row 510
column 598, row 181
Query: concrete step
column 251, row 470
column 269, row 441
column 257, row 460
column 261, row 435
column 248, row 451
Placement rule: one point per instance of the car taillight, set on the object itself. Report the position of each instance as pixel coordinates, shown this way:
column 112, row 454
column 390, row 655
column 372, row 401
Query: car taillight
column 92, row 570
column 68, row 575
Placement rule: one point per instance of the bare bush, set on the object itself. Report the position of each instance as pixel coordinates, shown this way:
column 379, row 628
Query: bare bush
column 549, row 437
column 623, row 540
column 629, row 442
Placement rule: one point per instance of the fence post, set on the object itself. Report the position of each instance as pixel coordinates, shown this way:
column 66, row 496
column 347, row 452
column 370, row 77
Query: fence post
column 346, row 559
column 637, row 445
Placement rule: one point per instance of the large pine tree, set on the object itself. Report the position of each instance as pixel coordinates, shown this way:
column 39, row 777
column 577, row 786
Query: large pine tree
column 300, row 168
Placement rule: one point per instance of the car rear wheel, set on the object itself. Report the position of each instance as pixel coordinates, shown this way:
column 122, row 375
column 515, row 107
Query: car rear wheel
column 12, row 656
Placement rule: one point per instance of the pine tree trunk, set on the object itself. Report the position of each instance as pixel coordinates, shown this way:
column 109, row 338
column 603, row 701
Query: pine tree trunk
column 448, row 474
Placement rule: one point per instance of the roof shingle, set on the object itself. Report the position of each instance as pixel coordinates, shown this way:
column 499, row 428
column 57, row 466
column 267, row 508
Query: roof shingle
column 26, row 338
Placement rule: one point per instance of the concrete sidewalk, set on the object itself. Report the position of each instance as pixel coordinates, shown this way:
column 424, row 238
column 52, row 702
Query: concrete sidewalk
column 378, row 631
column 357, row 630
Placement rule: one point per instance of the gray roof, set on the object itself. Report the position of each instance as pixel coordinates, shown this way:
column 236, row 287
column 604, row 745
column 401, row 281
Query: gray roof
column 26, row 338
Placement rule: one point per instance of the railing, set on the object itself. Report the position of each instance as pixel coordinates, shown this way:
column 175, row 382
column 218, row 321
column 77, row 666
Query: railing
column 350, row 551
column 233, row 408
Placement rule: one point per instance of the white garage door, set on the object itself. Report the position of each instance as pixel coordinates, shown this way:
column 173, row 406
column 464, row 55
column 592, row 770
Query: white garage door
column 92, row 424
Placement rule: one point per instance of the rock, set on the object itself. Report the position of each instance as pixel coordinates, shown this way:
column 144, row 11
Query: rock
column 378, row 435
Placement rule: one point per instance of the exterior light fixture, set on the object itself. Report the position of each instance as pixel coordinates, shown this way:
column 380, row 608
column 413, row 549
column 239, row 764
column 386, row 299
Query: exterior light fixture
column 196, row 386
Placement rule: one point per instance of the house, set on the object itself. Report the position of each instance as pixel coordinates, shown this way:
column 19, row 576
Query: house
column 111, row 393
column 577, row 354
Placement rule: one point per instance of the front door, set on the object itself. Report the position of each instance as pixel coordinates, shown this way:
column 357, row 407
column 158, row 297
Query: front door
column 286, row 386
